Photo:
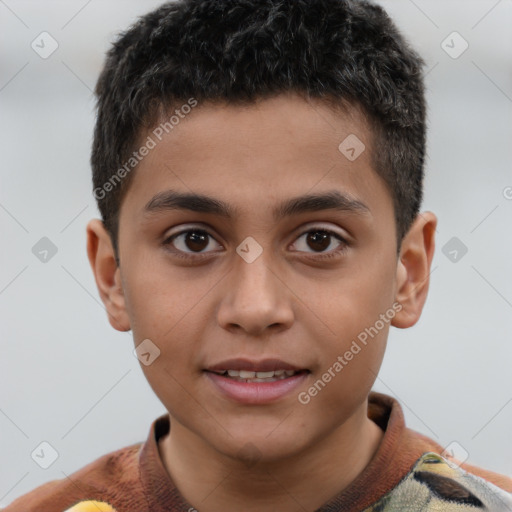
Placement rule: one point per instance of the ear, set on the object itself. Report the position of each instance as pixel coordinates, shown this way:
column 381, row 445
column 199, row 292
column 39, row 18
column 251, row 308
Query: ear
column 107, row 274
column 413, row 270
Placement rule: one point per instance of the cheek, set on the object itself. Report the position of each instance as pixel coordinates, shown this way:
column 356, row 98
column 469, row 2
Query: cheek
column 370, row 284
column 348, row 371
column 353, row 301
column 161, row 298
column 354, row 315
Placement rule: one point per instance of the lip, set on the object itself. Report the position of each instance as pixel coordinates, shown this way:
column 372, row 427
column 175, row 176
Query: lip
column 265, row 365
column 255, row 392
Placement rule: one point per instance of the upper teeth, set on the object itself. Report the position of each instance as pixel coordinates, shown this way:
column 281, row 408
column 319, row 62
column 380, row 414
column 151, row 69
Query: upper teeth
column 244, row 374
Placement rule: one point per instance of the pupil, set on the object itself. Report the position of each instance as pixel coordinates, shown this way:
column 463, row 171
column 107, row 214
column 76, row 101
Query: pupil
column 198, row 238
column 319, row 238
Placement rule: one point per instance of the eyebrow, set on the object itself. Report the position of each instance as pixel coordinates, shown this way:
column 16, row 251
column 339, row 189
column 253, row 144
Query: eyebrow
column 330, row 200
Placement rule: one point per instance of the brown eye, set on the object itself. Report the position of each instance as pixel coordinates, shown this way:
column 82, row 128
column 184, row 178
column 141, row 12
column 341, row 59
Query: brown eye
column 318, row 240
column 196, row 241
column 190, row 241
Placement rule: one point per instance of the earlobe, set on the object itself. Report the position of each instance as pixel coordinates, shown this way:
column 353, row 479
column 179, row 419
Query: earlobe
column 413, row 271
column 107, row 274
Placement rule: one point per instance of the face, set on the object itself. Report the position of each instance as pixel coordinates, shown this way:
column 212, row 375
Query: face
column 258, row 285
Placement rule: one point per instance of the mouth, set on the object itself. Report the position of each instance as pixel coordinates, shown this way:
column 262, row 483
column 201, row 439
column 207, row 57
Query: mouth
column 252, row 376
column 247, row 370
column 255, row 382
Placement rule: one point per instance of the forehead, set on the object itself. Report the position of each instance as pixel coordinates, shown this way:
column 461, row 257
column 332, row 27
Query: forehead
column 253, row 155
column 285, row 120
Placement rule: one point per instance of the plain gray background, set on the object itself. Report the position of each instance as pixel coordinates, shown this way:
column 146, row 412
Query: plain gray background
column 68, row 378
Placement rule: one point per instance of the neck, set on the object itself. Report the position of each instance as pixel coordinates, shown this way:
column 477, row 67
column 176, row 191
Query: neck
column 211, row 481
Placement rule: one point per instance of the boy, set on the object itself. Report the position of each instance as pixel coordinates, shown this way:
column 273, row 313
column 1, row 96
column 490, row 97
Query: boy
column 234, row 139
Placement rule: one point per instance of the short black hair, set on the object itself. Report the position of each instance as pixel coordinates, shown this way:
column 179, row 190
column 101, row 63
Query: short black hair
column 238, row 51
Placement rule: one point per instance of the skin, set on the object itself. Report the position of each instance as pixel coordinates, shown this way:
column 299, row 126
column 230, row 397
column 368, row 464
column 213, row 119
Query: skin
column 288, row 303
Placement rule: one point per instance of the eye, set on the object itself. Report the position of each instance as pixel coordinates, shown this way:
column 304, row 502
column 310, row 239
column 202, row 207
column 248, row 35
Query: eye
column 195, row 240
column 320, row 239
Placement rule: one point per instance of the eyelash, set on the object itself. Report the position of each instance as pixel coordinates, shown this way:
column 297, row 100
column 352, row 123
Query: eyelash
column 198, row 256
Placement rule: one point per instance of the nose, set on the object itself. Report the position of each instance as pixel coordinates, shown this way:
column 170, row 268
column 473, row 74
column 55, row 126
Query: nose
column 256, row 298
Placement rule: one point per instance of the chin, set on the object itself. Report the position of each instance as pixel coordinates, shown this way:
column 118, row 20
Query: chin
column 255, row 445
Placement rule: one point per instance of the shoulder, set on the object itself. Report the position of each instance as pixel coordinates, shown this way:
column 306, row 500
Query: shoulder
column 104, row 480
column 438, row 484
column 502, row 481
column 425, row 444
column 421, row 475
